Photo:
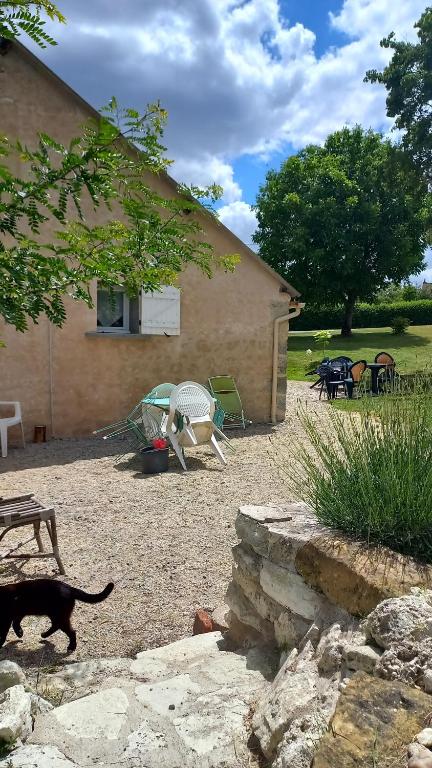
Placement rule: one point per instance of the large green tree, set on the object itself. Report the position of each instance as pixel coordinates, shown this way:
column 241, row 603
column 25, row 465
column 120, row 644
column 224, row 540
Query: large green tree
column 342, row 220
column 146, row 239
column 408, row 80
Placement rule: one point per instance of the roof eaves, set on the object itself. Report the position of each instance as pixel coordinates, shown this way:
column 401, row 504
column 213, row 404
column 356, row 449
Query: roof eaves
column 289, row 288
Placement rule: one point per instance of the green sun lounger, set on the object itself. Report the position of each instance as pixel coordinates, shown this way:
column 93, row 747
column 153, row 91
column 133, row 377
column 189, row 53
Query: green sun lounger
column 225, row 390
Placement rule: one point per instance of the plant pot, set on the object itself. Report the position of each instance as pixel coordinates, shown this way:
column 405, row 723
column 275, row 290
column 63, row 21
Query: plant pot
column 154, row 460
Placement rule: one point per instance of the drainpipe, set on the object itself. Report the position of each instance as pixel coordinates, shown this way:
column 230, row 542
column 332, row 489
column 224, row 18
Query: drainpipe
column 296, row 308
column 51, row 384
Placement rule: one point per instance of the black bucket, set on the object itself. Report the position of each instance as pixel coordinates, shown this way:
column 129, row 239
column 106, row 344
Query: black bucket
column 154, row 460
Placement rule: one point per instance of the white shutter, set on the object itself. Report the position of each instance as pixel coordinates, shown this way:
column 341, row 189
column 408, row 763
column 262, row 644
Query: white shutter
column 160, row 312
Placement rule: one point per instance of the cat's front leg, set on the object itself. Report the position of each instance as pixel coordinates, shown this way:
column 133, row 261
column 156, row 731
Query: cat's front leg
column 17, row 628
column 4, row 629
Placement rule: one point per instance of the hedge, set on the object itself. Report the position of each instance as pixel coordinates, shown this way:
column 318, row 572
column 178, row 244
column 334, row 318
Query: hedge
column 365, row 315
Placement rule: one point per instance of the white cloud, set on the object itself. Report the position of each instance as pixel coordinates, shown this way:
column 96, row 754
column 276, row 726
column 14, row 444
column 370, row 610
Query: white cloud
column 235, row 77
column 241, row 219
column 427, row 273
column 206, row 170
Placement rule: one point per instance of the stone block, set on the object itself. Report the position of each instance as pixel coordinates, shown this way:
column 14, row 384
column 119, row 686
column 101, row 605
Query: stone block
column 36, row 756
column 10, row 674
column 277, row 533
column 247, row 561
column 403, row 618
column 297, row 706
column 362, row 658
column 289, row 628
column 355, row 576
column 373, row 723
column 219, row 616
column 247, row 613
column 289, row 589
column 267, row 608
column 15, row 715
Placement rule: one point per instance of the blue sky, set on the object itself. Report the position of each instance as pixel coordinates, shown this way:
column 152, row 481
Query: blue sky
column 245, row 82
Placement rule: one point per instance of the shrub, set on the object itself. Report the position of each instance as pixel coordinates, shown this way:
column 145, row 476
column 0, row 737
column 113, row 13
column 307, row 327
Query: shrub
column 399, row 325
column 371, row 475
column 365, row 315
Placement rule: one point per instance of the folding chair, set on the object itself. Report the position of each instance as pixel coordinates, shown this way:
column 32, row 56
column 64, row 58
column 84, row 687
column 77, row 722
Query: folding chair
column 26, row 510
column 224, row 389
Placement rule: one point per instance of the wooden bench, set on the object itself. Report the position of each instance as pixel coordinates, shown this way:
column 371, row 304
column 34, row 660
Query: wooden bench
column 26, row 510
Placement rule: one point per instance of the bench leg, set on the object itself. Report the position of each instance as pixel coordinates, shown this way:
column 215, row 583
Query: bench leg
column 52, row 531
column 36, row 527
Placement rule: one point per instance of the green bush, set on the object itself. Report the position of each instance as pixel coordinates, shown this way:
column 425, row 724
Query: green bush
column 365, row 315
column 370, row 474
column 399, row 325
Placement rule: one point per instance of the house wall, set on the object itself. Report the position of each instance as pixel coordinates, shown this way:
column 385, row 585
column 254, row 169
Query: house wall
column 75, row 381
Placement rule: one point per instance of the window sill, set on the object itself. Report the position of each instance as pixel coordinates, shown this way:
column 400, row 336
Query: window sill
column 116, row 335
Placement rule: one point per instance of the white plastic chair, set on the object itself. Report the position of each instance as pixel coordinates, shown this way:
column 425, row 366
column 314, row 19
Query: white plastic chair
column 10, row 421
column 196, row 405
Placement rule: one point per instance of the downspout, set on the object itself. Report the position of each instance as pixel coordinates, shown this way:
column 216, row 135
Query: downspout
column 51, row 383
column 296, row 309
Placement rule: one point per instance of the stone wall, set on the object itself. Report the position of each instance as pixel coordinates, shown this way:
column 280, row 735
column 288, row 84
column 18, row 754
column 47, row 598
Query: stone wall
column 290, row 572
column 354, row 635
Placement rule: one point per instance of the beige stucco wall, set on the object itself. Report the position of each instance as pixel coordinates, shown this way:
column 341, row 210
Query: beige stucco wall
column 74, row 382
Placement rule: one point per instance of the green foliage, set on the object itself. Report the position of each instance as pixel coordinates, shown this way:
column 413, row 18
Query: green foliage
column 399, row 325
column 365, row 315
column 341, row 220
column 322, row 339
column 145, row 241
column 393, row 292
column 408, row 81
column 411, row 293
column 372, row 477
column 19, row 17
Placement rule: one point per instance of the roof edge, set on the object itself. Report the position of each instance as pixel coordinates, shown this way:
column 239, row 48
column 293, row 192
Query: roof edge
column 175, row 184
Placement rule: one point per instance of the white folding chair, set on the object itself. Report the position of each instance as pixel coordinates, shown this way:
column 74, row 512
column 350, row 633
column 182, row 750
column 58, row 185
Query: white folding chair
column 10, row 421
column 196, row 406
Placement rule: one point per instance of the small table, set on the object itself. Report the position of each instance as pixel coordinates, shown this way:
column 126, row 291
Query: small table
column 159, row 402
column 375, row 369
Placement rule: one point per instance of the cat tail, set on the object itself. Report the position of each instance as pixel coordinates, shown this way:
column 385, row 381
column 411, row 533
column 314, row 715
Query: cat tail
column 85, row 597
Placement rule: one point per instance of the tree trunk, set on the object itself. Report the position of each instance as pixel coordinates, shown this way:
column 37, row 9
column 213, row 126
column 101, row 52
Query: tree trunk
column 346, row 329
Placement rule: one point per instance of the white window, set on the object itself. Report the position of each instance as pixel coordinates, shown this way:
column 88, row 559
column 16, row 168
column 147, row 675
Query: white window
column 112, row 311
column 160, row 312
column 151, row 314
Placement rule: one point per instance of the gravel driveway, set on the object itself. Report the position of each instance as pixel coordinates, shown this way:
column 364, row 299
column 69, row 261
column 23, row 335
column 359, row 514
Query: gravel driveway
column 164, row 539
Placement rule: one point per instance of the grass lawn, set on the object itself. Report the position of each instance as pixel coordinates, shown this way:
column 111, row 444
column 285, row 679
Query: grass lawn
column 412, row 352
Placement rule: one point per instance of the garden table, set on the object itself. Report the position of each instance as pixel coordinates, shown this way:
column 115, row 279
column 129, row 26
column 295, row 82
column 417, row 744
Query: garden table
column 375, row 369
column 159, row 402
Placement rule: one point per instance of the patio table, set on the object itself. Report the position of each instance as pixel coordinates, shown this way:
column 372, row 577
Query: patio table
column 375, row 369
column 159, row 402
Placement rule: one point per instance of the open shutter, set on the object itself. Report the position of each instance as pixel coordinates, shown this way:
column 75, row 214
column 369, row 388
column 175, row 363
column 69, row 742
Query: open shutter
column 160, row 312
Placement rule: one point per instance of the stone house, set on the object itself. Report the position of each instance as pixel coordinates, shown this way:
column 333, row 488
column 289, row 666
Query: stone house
column 90, row 372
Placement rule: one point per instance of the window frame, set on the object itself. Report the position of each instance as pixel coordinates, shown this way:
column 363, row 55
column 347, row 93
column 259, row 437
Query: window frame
column 125, row 328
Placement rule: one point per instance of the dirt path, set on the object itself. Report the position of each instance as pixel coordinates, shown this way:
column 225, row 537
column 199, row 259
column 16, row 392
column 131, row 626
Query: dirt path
column 166, row 539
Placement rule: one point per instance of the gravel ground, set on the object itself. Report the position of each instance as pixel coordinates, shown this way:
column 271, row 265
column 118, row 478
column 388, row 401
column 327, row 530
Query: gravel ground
column 164, row 539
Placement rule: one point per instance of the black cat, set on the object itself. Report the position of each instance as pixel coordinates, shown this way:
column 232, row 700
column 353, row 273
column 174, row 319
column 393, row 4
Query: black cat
column 43, row 597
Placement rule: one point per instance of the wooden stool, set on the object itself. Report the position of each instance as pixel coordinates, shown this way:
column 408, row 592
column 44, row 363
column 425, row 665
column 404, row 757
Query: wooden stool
column 26, row 510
